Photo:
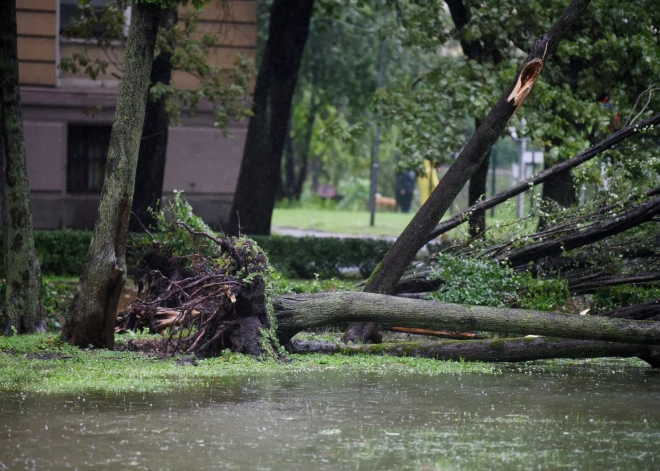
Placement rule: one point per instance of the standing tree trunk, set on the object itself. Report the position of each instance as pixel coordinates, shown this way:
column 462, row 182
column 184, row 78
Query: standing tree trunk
column 560, row 188
column 153, row 146
column 24, row 310
column 388, row 272
column 94, row 308
column 476, row 192
column 276, row 83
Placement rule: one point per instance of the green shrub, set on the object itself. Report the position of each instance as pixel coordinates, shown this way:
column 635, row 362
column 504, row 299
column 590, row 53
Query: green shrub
column 305, row 257
column 63, row 253
column 491, row 283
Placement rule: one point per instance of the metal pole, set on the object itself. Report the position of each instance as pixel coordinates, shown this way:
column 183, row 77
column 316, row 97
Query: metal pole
column 521, row 175
column 376, row 144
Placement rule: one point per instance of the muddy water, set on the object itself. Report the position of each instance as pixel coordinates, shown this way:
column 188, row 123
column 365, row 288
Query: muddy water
column 569, row 418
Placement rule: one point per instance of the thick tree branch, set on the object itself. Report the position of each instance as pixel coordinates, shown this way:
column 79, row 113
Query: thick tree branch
column 523, row 186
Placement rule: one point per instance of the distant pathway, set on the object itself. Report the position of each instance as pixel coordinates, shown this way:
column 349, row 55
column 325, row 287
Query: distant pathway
column 292, row 231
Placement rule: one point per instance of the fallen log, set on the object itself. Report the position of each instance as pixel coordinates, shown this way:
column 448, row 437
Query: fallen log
column 649, row 310
column 497, row 350
column 525, row 185
column 295, row 313
column 590, row 285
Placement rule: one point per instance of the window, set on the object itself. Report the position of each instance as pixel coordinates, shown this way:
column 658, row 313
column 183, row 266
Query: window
column 69, row 10
column 87, row 153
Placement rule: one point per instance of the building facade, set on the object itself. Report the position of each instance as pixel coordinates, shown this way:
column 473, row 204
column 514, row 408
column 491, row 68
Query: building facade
column 68, row 117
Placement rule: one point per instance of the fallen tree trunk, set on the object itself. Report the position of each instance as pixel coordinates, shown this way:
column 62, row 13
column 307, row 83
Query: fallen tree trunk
column 299, row 312
column 497, row 350
column 649, row 310
column 523, row 186
column 595, row 283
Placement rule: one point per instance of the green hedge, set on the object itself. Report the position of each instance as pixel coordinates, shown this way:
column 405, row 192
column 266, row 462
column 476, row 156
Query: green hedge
column 63, row 252
column 303, row 257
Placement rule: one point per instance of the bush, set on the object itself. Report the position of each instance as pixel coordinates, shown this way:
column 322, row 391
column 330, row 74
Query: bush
column 60, row 252
column 63, row 253
column 491, row 283
column 305, row 257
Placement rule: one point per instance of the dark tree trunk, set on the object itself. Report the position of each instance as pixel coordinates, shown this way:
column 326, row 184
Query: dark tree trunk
column 23, row 307
column 559, row 188
column 93, row 311
column 649, row 310
column 507, row 350
column 267, row 131
column 476, row 192
column 153, row 146
column 289, row 178
column 389, row 271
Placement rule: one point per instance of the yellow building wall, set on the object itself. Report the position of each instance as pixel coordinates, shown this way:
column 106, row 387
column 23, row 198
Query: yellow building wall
column 36, row 22
column 233, row 21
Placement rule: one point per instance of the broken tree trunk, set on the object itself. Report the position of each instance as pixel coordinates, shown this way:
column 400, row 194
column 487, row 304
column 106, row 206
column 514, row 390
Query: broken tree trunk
column 521, row 187
column 300, row 312
column 497, row 350
column 388, row 272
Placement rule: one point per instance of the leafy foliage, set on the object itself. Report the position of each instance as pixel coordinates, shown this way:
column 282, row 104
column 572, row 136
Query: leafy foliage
column 490, row 283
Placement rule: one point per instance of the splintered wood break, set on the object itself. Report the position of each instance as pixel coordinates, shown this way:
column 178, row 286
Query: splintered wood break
column 526, row 81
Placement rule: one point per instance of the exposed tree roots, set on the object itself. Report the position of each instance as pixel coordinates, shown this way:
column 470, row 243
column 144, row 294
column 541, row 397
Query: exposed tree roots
column 206, row 308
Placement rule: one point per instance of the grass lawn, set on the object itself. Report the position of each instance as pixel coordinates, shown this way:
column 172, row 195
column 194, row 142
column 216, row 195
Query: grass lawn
column 344, row 222
column 357, row 222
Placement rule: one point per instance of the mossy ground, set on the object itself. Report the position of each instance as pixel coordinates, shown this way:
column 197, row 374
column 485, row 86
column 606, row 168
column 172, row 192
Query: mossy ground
column 41, row 364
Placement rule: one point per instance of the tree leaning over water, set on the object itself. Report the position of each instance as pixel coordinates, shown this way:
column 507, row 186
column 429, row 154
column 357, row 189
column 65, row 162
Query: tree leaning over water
column 93, row 310
column 24, row 310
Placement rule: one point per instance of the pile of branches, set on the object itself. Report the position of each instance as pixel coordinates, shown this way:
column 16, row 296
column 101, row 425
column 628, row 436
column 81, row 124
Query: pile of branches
column 208, row 301
column 612, row 244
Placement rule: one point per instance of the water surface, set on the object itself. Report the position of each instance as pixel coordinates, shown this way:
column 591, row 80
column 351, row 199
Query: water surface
column 568, row 418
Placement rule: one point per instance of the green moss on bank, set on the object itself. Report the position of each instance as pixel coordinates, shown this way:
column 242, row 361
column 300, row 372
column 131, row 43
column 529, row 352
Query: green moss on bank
column 40, row 364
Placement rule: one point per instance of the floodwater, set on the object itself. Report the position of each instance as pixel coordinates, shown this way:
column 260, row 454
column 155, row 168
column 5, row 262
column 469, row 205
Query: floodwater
column 581, row 417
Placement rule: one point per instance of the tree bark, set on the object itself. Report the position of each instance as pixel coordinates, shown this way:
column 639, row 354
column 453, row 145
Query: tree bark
column 153, row 146
column 24, row 310
column 389, row 271
column 559, row 188
column 276, row 82
column 94, row 307
column 521, row 187
column 591, row 284
column 649, row 310
column 498, row 350
column 300, row 312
